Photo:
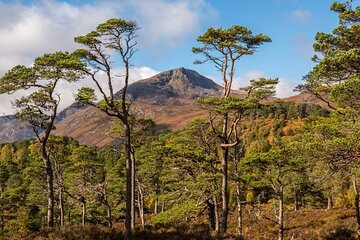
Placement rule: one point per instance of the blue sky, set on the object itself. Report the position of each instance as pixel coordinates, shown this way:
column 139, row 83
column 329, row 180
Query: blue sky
column 169, row 29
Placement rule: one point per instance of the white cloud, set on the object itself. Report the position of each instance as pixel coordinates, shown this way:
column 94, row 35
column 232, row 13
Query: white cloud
column 68, row 90
column 285, row 88
column 165, row 22
column 301, row 15
column 32, row 30
column 28, row 31
column 45, row 26
column 244, row 79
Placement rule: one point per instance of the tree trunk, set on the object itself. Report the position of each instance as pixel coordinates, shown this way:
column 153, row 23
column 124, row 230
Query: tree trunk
column 238, row 194
column 109, row 215
column 61, row 207
column 141, row 206
column 2, row 222
column 217, row 219
column 69, row 216
column 224, row 192
column 296, row 202
column 1, row 213
column 50, row 192
column 329, row 202
column 156, row 203
column 211, row 213
column 129, row 215
column 281, row 213
column 163, row 207
column 239, row 209
column 83, row 203
column 133, row 187
column 356, row 203
column 59, row 178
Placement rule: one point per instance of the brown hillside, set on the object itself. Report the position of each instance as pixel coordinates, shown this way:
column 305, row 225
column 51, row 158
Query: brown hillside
column 167, row 98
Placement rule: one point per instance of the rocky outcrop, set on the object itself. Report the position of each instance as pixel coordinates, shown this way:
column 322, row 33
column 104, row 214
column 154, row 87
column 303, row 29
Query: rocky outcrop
column 176, row 83
column 12, row 130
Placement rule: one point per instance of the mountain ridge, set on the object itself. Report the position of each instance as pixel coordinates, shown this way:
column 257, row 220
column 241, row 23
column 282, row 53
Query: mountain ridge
column 167, row 98
column 178, row 83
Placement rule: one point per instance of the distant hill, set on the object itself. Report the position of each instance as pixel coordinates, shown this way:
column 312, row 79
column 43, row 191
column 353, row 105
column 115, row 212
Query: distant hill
column 167, row 98
column 176, row 83
column 12, row 130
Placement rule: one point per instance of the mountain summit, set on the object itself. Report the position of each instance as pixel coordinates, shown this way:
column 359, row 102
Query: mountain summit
column 176, row 83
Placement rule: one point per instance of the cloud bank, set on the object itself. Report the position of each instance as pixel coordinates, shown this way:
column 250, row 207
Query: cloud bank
column 31, row 30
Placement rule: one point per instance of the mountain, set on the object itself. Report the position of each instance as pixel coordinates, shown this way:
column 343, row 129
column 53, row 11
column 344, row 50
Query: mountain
column 167, row 98
column 176, row 83
column 12, row 130
column 305, row 98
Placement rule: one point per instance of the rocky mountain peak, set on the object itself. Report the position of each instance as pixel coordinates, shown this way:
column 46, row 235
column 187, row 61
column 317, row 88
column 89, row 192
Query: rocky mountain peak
column 179, row 82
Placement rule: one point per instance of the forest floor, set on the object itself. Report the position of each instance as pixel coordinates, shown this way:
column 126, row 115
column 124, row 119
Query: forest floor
column 307, row 224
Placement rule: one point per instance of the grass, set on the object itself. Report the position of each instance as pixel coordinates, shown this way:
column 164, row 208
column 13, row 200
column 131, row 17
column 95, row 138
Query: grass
column 309, row 224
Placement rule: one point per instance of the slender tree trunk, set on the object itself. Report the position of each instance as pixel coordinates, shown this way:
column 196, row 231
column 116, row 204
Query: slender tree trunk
column 61, row 207
column 83, row 218
column 69, row 216
column 133, row 187
column 238, row 195
column 109, row 215
column 281, row 213
column 60, row 192
column 239, row 209
column 50, row 192
column 156, row 205
column 356, row 203
column 211, row 213
column 1, row 213
column 163, row 207
column 141, row 206
column 107, row 205
column 329, row 202
column 217, row 219
column 129, row 215
column 224, row 192
column 296, row 203
column 2, row 222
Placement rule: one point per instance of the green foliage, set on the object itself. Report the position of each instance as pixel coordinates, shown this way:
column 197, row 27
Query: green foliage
column 238, row 40
column 33, row 222
column 231, row 103
column 262, row 88
column 178, row 213
column 40, row 106
column 85, row 96
column 346, row 94
column 19, row 77
column 340, row 61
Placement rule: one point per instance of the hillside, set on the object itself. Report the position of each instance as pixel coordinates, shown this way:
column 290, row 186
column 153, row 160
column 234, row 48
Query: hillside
column 12, row 130
column 167, row 98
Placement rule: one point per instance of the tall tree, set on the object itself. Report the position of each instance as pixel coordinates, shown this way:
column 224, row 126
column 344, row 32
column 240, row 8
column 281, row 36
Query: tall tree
column 336, row 77
column 41, row 106
column 275, row 169
column 115, row 36
column 223, row 48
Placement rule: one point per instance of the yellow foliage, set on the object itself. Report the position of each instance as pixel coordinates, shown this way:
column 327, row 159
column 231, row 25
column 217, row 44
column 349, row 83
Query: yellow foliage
column 249, row 196
column 345, row 200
